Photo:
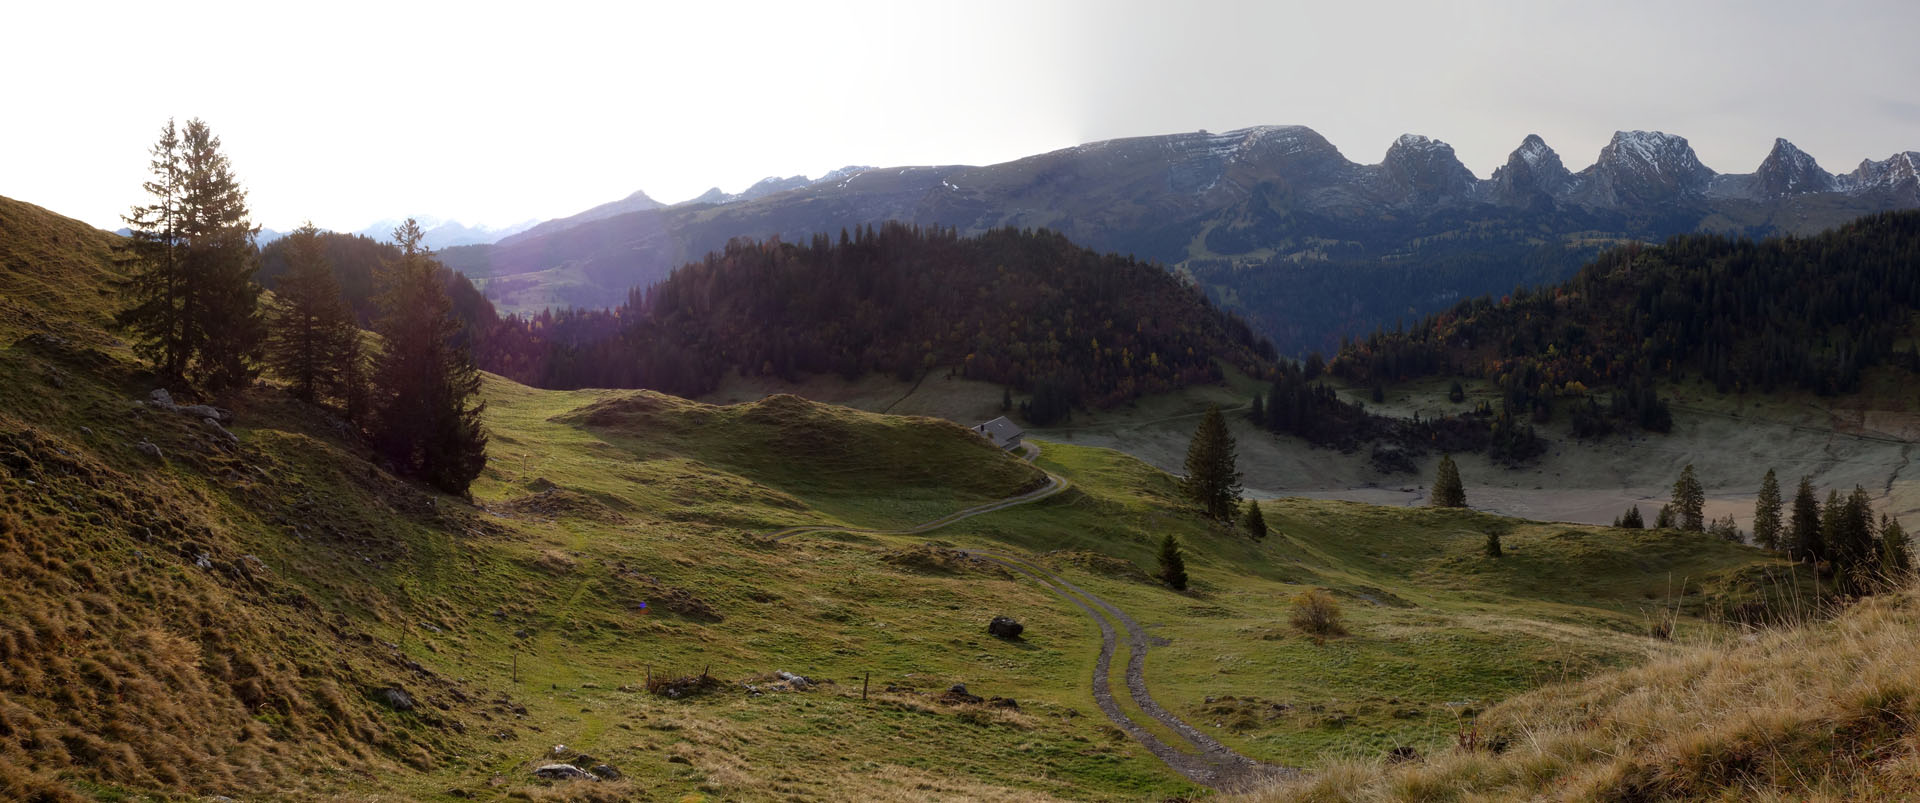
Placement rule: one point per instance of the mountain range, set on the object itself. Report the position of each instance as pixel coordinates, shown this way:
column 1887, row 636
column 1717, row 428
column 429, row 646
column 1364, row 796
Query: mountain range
column 1241, row 211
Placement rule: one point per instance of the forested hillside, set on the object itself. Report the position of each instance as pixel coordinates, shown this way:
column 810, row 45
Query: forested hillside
column 1027, row 309
column 357, row 261
column 1808, row 313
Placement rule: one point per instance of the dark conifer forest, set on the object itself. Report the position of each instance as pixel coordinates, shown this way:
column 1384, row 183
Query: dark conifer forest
column 1806, row 313
column 1026, row 309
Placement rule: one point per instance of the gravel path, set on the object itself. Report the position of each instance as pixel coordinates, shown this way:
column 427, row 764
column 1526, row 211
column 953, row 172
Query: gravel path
column 1215, row 765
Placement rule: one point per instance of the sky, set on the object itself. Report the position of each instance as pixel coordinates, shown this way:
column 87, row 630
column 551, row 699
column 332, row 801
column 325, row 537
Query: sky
column 346, row 113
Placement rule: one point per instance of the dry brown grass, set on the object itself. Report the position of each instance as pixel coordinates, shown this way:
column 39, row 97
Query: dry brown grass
column 1823, row 711
column 143, row 647
column 1317, row 614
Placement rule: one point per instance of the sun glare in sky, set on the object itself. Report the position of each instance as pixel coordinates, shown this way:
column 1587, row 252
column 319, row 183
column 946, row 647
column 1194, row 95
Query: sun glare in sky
column 348, row 113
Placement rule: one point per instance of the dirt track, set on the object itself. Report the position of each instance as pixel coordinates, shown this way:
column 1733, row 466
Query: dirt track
column 1215, row 765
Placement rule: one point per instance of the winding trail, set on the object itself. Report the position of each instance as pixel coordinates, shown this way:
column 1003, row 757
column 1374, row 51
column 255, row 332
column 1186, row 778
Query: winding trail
column 1214, row 765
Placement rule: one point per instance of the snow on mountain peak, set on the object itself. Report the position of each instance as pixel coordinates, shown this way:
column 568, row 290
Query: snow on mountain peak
column 1533, row 150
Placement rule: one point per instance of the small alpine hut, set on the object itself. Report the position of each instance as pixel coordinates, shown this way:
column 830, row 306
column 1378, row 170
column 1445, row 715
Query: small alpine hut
column 1001, row 432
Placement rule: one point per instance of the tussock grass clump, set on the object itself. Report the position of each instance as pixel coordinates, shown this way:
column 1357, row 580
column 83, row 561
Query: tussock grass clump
column 934, row 559
column 1827, row 710
column 1317, row 614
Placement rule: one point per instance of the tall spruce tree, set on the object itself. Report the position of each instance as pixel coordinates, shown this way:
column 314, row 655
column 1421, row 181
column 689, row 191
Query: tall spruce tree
column 1256, row 521
column 1213, row 474
column 1803, row 536
column 1173, row 567
column 1447, row 490
column 1846, row 526
column 312, row 329
column 1766, row 514
column 1896, row 552
column 1689, row 501
column 194, row 307
column 155, row 261
column 425, row 418
column 224, row 300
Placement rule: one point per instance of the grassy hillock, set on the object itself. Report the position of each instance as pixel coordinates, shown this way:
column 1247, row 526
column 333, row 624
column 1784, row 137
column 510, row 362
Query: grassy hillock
column 194, row 613
column 55, row 272
column 1825, row 711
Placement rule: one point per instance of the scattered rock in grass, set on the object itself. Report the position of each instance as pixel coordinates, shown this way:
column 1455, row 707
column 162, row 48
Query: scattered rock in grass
column 150, row 450
column 1002, row 702
column 396, row 698
column 679, row 759
column 160, row 399
column 1005, row 627
column 563, row 772
column 957, row 694
column 605, row 772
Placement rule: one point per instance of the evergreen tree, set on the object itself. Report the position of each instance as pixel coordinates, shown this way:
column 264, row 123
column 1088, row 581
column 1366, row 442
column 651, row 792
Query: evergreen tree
column 1256, row 521
column 153, row 255
column 1689, row 501
column 1664, row 519
column 1846, row 527
column 194, row 308
column 1006, row 400
column 355, row 388
column 1456, row 392
column 1257, row 411
column 1896, row 552
column 1447, row 490
column 424, row 415
column 221, row 261
column 1725, row 529
column 1492, row 547
column 1213, row 475
column 1803, row 541
column 312, row 328
column 1766, row 514
column 1173, row 567
column 1631, row 519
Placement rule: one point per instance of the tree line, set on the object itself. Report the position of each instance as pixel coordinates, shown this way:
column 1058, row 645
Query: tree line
column 195, row 310
column 1022, row 308
column 1790, row 312
column 1298, row 404
column 1841, row 537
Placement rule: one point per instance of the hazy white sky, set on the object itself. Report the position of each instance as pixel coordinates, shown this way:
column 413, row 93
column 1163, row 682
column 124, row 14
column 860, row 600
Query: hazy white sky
column 348, row 112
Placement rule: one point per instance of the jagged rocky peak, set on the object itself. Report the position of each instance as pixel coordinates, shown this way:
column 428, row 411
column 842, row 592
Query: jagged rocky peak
column 1532, row 169
column 1788, row 170
column 1654, row 151
column 1275, row 142
column 771, row 185
column 1899, row 173
column 1426, row 168
column 1640, row 167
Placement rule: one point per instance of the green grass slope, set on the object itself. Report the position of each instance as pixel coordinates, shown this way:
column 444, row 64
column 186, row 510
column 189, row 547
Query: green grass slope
column 226, row 618
column 1824, row 711
column 55, row 272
